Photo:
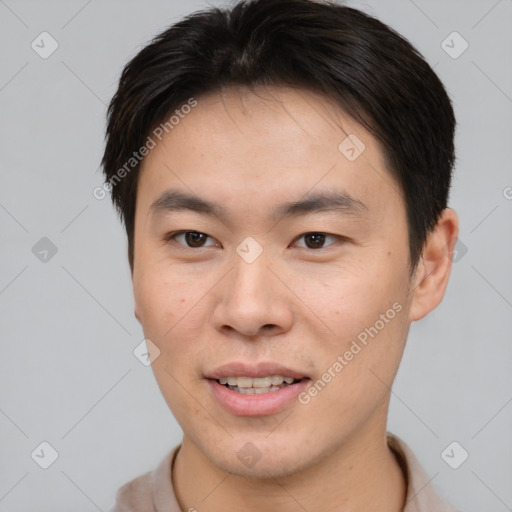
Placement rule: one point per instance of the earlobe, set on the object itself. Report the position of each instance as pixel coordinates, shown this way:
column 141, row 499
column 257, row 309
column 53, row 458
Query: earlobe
column 136, row 307
column 431, row 277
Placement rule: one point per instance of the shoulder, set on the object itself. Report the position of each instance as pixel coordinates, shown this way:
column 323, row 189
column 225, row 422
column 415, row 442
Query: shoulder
column 421, row 494
column 136, row 495
column 151, row 491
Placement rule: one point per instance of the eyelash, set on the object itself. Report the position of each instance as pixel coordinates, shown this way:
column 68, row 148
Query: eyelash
column 172, row 237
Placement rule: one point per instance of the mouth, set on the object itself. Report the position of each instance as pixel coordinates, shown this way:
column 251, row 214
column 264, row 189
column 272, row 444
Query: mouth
column 255, row 388
column 258, row 385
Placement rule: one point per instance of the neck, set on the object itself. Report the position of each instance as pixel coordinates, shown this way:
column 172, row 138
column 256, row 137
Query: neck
column 360, row 475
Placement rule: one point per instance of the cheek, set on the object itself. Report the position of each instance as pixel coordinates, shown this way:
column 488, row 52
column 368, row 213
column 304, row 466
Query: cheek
column 161, row 295
column 348, row 300
column 357, row 366
column 365, row 312
column 172, row 309
column 170, row 313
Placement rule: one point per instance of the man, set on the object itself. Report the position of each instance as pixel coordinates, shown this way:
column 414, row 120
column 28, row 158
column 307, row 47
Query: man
column 282, row 169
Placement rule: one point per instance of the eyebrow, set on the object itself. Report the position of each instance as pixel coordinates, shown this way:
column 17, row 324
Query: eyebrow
column 333, row 201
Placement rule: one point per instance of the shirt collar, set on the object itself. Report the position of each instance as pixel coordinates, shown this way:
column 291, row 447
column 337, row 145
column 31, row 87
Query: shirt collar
column 421, row 495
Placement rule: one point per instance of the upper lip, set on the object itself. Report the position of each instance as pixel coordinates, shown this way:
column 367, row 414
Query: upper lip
column 262, row 369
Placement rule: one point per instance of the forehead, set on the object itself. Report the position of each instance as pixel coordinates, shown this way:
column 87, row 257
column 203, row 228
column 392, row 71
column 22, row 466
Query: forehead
column 274, row 142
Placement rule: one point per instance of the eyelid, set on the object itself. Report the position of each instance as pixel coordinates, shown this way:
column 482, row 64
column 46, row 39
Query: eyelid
column 169, row 237
column 338, row 238
column 172, row 237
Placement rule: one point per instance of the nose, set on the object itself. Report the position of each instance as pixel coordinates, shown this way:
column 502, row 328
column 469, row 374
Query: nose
column 254, row 299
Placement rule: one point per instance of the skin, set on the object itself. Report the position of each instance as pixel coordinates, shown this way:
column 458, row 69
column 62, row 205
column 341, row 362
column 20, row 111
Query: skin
column 205, row 306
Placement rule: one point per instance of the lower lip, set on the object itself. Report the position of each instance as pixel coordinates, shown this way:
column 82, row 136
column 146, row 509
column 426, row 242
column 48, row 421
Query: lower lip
column 256, row 405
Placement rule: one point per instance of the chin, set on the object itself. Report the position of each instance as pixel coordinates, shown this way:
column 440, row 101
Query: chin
column 265, row 468
column 261, row 458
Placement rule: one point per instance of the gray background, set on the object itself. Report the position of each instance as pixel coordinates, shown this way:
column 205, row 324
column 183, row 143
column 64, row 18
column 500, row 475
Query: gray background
column 68, row 373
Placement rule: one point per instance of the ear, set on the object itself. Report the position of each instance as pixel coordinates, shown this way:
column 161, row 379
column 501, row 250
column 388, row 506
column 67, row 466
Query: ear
column 136, row 308
column 136, row 311
column 428, row 285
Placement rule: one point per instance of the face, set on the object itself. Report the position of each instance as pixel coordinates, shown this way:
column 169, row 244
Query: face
column 302, row 264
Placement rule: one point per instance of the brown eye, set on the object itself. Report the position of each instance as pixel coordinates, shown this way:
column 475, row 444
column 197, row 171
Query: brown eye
column 195, row 239
column 316, row 240
column 191, row 239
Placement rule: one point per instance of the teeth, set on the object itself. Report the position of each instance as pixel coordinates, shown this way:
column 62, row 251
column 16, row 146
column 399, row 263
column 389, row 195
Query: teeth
column 242, row 382
column 259, row 382
column 246, row 391
column 254, row 391
column 259, row 391
column 262, row 382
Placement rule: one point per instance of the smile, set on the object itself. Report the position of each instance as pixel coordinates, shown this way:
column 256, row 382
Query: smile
column 260, row 400
column 256, row 386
